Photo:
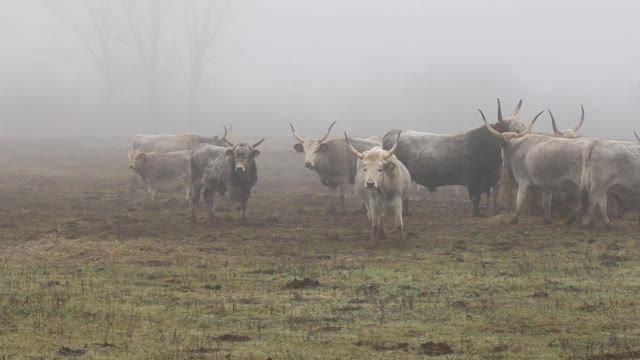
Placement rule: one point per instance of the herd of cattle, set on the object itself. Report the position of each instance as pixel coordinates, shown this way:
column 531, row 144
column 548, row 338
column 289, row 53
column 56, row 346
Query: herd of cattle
column 504, row 156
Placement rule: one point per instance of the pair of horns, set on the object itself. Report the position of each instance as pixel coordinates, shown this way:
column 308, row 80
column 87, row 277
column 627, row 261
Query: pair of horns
column 322, row 139
column 496, row 133
column 514, row 113
column 575, row 130
column 224, row 138
column 389, row 153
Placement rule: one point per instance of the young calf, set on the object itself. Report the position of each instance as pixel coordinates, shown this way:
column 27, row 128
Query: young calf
column 156, row 167
column 383, row 183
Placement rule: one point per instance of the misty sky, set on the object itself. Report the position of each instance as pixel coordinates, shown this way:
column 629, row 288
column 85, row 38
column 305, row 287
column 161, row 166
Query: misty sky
column 372, row 65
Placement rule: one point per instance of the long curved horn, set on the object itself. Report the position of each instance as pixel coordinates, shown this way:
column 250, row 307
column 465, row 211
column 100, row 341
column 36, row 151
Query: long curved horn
column 636, row 134
column 394, row 148
column 580, row 121
column 258, row 143
column 491, row 130
column 500, row 119
column 553, row 123
column 224, row 138
column 532, row 123
column 353, row 150
column 517, row 109
column 300, row 140
column 327, row 134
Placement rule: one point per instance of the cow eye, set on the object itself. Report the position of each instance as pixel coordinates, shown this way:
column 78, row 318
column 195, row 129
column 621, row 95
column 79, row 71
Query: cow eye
column 365, row 169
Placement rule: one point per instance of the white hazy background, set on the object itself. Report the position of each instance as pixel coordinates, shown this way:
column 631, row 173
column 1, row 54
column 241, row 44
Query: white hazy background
column 111, row 68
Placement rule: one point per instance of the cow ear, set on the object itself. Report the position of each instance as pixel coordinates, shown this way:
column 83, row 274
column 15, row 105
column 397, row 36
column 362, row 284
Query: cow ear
column 141, row 155
column 388, row 166
column 229, row 152
column 323, row 147
column 298, row 147
column 256, row 153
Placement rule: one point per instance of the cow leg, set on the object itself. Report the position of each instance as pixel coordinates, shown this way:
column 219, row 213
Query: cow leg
column 195, row 200
column 603, row 211
column 373, row 218
column 405, row 207
column 573, row 213
column 209, row 194
column 151, row 188
column 475, row 201
column 332, row 208
column 244, row 209
column 546, row 196
column 397, row 212
column 496, row 191
column 589, row 218
column 341, row 189
column 520, row 200
column 187, row 187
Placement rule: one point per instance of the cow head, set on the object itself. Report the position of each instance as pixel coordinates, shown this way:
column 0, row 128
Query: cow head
column 311, row 147
column 374, row 163
column 132, row 158
column 568, row 133
column 512, row 122
column 504, row 136
column 138, row 161
column 242, row 154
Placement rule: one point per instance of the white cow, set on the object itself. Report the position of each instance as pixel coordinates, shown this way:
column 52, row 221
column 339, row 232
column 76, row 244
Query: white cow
column 382, row 183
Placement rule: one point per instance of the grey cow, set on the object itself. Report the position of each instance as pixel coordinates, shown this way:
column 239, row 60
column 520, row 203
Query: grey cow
column 332, row 161
column 216, row 169
column 612, row 168
column 155, row 168
column 167, row 143
column 547, row 163
column 471, row 158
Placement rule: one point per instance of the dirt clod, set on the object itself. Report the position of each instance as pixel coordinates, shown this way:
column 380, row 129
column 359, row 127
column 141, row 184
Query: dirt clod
column 65, row 351
column 539, row 295
column 212, row 287
column 627, row 355
column 305, row 283
column 233, row 338
column 432, row 348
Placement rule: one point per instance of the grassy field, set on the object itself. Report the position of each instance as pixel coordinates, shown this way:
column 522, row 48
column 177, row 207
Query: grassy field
column 89, row 269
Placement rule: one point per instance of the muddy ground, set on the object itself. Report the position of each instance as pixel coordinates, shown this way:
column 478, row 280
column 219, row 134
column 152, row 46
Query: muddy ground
column 90, row 268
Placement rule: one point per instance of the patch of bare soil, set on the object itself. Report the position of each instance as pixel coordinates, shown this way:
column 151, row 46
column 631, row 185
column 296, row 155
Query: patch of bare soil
column 65, row 351
column 232, row 338
column 627, row 355
column 383, row 346
column 539, row 295
column 305, row 283
column 432, row 348
column 203, row 350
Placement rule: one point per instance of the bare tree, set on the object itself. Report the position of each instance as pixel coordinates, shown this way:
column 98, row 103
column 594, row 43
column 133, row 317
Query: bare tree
column 97, row 38
column 145, row 28
column 204, row 20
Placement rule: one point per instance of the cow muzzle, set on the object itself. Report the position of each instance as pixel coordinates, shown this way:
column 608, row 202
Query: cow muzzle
column 240, row 168
column 370, row 184
column 131, row 166
column 309, row 166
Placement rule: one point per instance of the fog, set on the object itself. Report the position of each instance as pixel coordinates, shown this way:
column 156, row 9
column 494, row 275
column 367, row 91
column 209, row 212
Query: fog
column 101, row 69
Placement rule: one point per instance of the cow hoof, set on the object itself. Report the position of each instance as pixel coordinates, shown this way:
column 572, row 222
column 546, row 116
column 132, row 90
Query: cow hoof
column 570, row 220
column 513, row 221
column 547, row 221
column 607, row 226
